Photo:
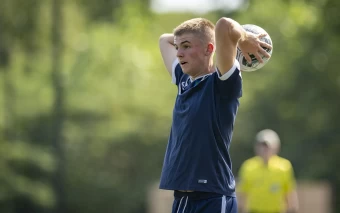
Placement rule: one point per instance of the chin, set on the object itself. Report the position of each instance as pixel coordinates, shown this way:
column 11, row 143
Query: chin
column 185, row 71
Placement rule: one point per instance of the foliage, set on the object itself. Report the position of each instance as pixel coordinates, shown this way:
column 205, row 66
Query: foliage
column 22, row 167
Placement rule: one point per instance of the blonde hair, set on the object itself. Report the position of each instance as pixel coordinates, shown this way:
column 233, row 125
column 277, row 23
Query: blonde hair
column 201, row 27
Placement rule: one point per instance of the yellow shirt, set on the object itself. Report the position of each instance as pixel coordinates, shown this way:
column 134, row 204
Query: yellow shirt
column 266, row 186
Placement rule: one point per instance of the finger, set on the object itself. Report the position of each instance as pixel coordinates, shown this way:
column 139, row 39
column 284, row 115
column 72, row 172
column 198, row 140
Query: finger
column 266, row 45
column 264, row 53
column 247, row 57
column 258, row 57
column 262, row 35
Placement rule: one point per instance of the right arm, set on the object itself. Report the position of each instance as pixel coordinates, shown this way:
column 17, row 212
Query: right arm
column 242, row 202
column 242, row 189
column 168, row 51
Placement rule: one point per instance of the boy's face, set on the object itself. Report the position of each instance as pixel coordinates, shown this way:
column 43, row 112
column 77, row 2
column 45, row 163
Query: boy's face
column 191, row 53
column 263, row 150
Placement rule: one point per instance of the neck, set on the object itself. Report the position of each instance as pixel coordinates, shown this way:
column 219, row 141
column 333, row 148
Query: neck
column 209, row 69
column 266, row 159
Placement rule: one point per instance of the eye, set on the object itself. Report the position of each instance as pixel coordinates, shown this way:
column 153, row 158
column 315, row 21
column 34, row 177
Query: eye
column 186, row 46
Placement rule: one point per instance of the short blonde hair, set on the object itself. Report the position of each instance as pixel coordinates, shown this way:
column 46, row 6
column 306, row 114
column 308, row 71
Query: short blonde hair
column 201, row 27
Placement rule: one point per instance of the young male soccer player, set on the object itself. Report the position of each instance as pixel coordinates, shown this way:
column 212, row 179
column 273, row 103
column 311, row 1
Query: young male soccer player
column 197, row 163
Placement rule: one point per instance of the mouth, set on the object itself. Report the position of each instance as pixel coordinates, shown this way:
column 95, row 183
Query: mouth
column 183, row 63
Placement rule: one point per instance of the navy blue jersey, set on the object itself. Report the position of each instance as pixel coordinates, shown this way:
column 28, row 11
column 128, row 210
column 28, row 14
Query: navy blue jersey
column 197, row 156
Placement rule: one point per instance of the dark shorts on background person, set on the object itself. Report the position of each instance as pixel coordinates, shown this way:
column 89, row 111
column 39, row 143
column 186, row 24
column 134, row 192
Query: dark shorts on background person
column 203, row 202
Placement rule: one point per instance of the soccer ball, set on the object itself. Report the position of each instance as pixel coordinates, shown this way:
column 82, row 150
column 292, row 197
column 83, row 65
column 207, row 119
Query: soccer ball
column 255, row 64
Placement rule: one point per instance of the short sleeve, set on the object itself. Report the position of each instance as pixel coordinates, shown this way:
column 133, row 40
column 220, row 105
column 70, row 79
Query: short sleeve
column 230, row 84
column 176, row 72
column 225, row 76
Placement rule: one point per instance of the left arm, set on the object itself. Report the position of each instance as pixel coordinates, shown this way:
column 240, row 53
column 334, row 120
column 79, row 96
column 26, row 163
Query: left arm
column 291, row 193
column 242, row 202
column 227, row 35
column 292, row 202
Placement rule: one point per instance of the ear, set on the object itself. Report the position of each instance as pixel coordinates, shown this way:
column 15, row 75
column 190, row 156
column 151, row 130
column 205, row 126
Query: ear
column 210, row 49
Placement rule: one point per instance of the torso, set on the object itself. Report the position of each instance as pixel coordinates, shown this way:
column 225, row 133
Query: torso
column 197, row 156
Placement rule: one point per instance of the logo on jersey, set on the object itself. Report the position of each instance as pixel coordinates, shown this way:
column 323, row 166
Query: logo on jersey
column 202, row 181
column 185, row 84
column 275, row 187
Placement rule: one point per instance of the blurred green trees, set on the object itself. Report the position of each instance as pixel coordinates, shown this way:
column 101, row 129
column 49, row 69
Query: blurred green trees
column 103, row 145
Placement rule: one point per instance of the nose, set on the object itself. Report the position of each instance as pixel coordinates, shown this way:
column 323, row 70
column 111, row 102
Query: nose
column 179, row 53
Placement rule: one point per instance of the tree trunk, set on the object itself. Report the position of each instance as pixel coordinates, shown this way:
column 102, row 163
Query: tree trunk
column 58, row 114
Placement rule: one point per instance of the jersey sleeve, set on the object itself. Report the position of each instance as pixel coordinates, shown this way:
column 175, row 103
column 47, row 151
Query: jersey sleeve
column 176, row 72
column 230, row 83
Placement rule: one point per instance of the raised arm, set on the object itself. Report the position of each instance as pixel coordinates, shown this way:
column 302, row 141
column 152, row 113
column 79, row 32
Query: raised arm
column 168, row 51
column 229, row 34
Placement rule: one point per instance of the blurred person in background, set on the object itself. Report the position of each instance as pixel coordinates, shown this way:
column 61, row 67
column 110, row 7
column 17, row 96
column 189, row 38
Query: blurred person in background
column 267, row 183
column 197, row 164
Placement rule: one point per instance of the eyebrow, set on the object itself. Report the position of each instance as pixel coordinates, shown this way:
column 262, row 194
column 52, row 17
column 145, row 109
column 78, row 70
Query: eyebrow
column 186, row 41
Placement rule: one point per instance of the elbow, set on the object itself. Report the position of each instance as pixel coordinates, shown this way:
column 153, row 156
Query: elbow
column 162, row 38
column 224, row 25
column 224, row 22
column 166, row 38
column 228, row 27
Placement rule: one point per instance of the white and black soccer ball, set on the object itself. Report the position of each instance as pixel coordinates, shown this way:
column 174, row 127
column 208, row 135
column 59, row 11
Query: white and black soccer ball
column 255, row 64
